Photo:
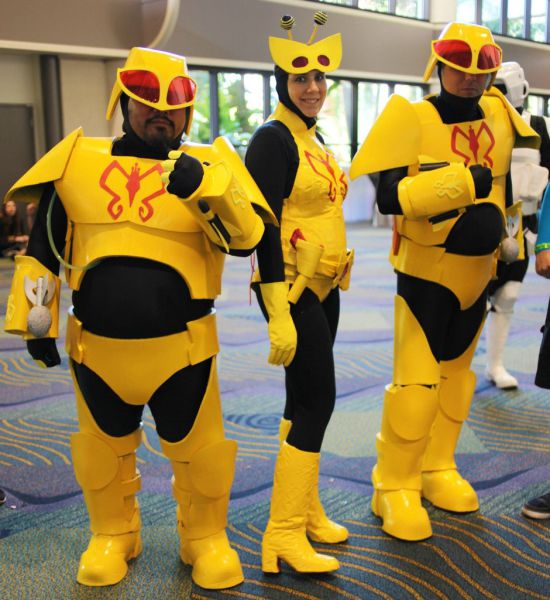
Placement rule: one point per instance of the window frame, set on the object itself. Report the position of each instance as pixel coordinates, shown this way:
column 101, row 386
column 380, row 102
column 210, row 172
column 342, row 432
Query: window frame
column 268, row 109
column 503, row 26
column 392, row 7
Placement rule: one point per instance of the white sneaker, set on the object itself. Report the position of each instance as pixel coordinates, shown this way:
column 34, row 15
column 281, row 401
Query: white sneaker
column 500, row 377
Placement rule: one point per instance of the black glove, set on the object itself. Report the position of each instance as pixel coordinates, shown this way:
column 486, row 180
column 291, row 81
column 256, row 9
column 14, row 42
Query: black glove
column 44, row 350
column 186, row 176
column 483, row 180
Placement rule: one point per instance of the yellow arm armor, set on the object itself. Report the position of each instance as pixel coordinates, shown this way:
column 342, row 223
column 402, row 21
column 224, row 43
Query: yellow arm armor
column 393, row 141
column 234, row 203
column 437, row 191
column 33, row 287
column 526, row 137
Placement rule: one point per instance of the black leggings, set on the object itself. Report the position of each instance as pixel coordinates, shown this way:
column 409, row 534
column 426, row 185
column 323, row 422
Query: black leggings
column 174, row 405
column 449, row 330
column 310, row 378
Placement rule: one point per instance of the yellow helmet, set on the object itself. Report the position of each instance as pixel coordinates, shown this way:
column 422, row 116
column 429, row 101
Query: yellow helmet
column 158, row 79
column 296, row 57
column 465, row 47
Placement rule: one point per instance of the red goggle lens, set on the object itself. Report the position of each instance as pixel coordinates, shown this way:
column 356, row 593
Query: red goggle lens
column 181, row 91
column 456, row 52
column 489, row 58
column 143, row 84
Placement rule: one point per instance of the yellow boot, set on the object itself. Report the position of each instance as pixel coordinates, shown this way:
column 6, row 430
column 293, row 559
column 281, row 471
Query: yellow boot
column 105, row 468
column 201, row 487
column 442, row 484
column 204, row 466
column 285, row 536
column 319, row 527
column 406, row 420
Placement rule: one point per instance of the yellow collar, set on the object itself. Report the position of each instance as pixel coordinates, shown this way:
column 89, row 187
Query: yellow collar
column 291, row 120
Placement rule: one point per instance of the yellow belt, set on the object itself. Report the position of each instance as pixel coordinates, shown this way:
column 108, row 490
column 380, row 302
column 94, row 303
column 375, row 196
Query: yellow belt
column 136, row 368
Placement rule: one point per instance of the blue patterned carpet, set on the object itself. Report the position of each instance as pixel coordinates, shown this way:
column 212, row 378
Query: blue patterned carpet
column 504, row 450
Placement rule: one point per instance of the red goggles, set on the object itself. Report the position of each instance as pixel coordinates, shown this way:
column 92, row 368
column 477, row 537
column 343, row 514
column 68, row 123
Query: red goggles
column 458, row 53
column 145, row 85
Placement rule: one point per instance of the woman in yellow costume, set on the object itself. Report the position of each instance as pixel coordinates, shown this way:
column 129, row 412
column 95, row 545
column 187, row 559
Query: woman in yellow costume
column 301, row 267
column 443, row 166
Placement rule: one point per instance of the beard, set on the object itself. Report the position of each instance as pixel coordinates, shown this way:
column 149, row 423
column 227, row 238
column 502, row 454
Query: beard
column 159, row 132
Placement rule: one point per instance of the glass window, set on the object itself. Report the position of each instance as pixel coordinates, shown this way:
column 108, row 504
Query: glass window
column 200, row 128
column 240, row 97
column 466, row 11
column 378, row 5
column 334, row 121
column 516, row 18
column 536, row 104
column 411, row 92
column 491, row 15
column 538, row 20
column 410, row 8
column 274, row 100
column 372, row 98
column 344, row 2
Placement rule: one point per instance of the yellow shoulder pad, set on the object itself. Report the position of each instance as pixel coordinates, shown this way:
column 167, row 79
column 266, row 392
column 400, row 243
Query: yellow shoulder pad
column 526, row 137
column 223, row 151
column 393, row 141
column 49, row 168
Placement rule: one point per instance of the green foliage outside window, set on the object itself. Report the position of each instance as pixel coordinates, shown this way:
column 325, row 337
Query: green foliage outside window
column 240, row 100
column 200, row 129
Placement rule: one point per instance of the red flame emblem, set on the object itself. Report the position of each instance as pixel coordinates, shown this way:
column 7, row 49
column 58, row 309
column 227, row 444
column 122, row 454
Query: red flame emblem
column 471, row 144
column 134, row 180
column 321, row 165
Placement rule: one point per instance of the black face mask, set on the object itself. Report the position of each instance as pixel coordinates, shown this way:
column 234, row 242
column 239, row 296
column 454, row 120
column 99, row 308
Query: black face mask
column 130, row 144
column 455, row 109
column 281, row 79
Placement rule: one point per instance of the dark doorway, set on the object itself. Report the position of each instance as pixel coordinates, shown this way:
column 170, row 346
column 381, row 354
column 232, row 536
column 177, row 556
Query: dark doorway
column 17, row 151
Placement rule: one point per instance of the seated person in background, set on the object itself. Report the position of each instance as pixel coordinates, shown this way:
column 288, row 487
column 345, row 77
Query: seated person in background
column 13, row 239
column 30, row 216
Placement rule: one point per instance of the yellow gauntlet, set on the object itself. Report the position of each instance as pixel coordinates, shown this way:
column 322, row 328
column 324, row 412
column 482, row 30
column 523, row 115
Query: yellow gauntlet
column 282, row 332
column 437, row 191
column 33, row 304
column 220, row 205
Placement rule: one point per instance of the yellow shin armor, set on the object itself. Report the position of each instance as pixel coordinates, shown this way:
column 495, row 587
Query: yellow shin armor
column 105, row 468
column 204, row 466
column 407, row 417
column 442, row 484
column 35, row 290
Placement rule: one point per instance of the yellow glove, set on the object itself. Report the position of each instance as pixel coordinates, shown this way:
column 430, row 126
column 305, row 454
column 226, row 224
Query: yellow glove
column 281, row 329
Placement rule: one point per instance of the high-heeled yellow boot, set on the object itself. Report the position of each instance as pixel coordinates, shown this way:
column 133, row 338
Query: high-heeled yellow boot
column 285, row 536
column 105, row 468
column 319, row 527
column 406, row 419
column 442, row 484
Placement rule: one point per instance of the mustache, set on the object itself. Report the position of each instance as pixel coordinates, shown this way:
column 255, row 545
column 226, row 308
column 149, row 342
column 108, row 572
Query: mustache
column 163, row 118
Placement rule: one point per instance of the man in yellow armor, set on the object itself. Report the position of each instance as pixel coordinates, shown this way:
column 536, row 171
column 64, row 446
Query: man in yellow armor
column 145, row 234
column 443, row 166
